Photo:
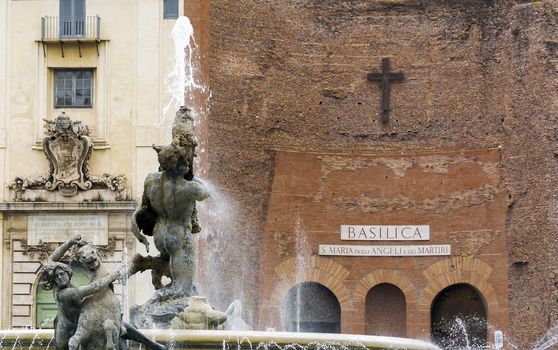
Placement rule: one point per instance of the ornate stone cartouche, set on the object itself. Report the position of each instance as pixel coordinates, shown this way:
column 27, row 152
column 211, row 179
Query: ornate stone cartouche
column 68, row 148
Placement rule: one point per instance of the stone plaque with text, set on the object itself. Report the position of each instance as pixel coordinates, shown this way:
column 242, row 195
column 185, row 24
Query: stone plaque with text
column 60, row 227
column 385, row 232
column 389, row 250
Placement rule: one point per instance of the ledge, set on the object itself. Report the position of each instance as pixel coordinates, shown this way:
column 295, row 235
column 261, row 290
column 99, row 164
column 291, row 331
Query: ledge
column 122, row 206
column 198, row 339
column 97, row 144
column 70, row 40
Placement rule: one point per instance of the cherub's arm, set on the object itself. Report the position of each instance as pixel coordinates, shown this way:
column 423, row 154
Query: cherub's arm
column 59, row 252
column 200, row 191
column 145, row 205
column 96, row 286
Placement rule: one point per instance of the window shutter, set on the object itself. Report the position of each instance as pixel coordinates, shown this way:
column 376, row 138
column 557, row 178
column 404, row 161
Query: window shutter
column 170, row 9
column 66, row 8
column 79, row 8
column 79, row 17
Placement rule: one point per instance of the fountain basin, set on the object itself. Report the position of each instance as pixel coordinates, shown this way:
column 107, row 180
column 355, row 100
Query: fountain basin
column 196, row 339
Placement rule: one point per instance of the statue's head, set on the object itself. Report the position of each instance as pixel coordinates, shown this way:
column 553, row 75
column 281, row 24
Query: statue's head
column 63, row 122
column 89, row 257
column 55, row 273
column 174, row 159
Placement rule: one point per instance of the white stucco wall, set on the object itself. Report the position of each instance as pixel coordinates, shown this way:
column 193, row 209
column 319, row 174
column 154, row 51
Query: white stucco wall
column 135, row 56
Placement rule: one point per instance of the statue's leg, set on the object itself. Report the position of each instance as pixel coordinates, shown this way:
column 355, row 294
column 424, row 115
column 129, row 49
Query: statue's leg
column 61, row 338
column 80, row 334
column 133, row 334
column 183, row 265
column 122, row 344
column 111, row 333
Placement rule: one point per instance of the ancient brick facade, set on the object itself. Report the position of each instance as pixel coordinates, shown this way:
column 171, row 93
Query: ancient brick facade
column 289, row 79
column 457, row 194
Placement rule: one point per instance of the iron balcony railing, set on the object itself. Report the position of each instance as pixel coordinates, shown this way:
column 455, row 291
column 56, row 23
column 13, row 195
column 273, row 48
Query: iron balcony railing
column 61, row 28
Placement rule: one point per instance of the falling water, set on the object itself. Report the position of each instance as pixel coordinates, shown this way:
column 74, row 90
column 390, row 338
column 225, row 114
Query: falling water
column 33, row 340
column 16, row 343
column 463, row 328
column 124, row 281
column 215, row 215
column 303, row 253
column 549, row 339
column 183, row 82
column 181, row 74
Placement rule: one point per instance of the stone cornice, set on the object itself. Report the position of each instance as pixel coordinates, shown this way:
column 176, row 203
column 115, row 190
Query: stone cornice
column 68, row 206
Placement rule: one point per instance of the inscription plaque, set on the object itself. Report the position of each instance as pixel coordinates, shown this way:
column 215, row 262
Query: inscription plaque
column 385, row 232
column 60, row 227
column 390, row 250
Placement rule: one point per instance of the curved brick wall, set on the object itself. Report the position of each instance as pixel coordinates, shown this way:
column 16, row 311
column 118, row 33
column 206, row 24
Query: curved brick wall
column 291, row 76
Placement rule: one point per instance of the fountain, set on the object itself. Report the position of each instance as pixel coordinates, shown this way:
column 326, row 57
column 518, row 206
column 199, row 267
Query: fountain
column 176, row 315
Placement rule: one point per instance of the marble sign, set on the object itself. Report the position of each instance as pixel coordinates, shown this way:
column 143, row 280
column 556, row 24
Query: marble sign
column 60, row 227
column 389, row 250
column 385, row 232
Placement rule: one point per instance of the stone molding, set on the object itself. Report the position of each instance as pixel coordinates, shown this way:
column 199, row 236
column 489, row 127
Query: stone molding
column 8, row 207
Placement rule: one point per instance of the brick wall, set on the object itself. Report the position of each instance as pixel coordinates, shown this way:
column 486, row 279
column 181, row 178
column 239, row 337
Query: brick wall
column 291, row 76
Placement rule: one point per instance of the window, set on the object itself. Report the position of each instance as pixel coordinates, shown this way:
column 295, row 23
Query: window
column 72, row 18
column 170, row 9
column 73, row 88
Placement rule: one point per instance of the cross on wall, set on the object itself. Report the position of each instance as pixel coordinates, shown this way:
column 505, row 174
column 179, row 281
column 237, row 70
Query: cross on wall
column 385, row 77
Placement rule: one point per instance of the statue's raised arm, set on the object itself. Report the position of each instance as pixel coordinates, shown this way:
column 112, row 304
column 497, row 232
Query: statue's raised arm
column 59, row 252
column 143, row 220
column 200, row 191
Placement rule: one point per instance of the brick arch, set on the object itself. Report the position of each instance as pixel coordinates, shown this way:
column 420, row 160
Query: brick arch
column 385, row 276
column 457, row 270
column 458, row 263
column 315, row 269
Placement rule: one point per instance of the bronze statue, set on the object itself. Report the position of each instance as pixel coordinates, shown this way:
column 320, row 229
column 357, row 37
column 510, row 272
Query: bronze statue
column 165, row 213
column 69, row 323
column 90, row 315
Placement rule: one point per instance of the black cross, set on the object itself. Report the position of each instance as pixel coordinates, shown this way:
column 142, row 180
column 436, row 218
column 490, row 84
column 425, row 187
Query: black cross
column 386, row 77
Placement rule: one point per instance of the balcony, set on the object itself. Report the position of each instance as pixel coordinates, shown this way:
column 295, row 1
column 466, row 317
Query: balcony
column 70, row 29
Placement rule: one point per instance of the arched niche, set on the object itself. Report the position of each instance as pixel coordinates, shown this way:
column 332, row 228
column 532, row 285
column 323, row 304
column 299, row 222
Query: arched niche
column 385, row 311
column 311, row 307
column 459, row 318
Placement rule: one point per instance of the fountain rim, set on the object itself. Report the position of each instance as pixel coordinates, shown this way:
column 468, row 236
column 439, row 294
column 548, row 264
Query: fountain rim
column 208, row 337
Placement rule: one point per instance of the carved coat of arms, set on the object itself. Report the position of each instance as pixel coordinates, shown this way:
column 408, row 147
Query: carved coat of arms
column 68, row 148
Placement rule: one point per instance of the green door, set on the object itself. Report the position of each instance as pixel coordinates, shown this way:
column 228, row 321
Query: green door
column 45, row 304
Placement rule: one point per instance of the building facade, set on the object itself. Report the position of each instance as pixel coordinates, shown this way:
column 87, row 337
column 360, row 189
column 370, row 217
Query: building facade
column 329, row 122
column 103, row 66
column 467, row 148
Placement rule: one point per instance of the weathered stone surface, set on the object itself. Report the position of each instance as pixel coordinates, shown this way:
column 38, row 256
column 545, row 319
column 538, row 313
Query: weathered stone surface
column 89, row 316
column 479, row 74
column 198, row 315
column 68, row 148
column 167, row 213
